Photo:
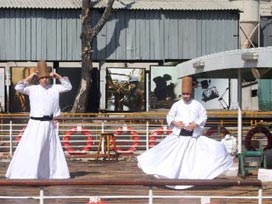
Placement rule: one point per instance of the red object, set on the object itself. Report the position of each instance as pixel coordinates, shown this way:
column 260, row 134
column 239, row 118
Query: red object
column 135, row 138
column 253, row 131
column 69, row 148
column 18, row 138
column 156, row 133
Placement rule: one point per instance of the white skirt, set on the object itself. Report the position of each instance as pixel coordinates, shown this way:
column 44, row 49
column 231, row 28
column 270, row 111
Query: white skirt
column 39, row 154
column 180, row 157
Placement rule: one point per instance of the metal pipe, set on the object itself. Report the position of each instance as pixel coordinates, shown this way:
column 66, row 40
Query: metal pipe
column 142, row 182
column 10, row 138
column 147, row 135
column 239, row 130
column 150, row 195
column 41, row 195
column 260, row 196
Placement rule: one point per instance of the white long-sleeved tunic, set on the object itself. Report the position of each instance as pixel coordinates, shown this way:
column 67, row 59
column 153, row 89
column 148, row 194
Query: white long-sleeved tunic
column 186, row 157
column 187, row 113
column 39, row 154
column 44, row 100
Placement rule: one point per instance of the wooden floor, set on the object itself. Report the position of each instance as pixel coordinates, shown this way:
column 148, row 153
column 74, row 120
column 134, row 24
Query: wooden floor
column 123, row 169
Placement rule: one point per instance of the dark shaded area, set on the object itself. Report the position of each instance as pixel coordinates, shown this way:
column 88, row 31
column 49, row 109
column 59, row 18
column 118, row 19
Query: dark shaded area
column 94, row 95
column 163, row 90
column 80, row 173
column 67, row 99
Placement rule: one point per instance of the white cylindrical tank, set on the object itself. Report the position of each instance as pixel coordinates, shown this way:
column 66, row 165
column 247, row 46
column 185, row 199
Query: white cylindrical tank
column 249, row 22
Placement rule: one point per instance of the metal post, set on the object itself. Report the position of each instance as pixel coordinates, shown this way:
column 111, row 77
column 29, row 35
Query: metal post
column 41, row 195
column 7, row 83
column 147, row 93
column 54, row 79
column 239, row 87
column 259, row 23
column 147, row 135
column 150, row 195
column 103, row 75
column 260, row 195
column 103, row 127
column 239, row 130
column 103, row 139
column 10, row 138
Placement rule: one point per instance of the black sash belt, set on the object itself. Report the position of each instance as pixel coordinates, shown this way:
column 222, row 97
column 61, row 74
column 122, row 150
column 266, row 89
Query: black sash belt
column 44, row 118
column 184, row 132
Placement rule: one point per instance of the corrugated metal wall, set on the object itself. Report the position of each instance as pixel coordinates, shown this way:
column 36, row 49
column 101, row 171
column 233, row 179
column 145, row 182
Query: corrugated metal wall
column 167, row 35
column 39, row 34
column 266, row 31
column 130, row 35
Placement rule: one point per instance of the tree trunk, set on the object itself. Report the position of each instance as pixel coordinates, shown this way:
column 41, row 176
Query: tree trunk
column 87, row 36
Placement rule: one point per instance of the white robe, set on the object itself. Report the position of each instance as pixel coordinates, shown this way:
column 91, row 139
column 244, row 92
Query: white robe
column 186, row 157
column 39, row 154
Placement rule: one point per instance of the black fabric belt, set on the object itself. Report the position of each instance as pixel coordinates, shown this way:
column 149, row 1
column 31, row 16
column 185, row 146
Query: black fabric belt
column 184, row 132
column 44, row 118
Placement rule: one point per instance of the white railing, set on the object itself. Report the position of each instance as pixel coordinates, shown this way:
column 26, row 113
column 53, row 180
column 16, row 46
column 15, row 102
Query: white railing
column 80, row 133
column 142, row 183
